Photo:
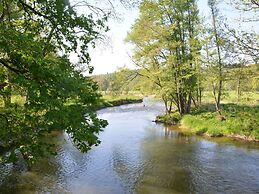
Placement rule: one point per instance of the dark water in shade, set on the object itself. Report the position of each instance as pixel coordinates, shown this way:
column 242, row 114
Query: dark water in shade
column 138, row 156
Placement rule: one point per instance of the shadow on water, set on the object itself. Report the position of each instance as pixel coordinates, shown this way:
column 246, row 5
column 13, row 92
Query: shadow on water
column 16, row 178
column 138, row 156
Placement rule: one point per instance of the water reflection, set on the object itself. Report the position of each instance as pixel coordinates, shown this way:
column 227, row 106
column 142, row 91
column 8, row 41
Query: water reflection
column 138, row 156
column 184, row 164
column 43, row 176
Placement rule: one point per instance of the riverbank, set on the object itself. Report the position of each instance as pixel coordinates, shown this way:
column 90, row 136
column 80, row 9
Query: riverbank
column 111, row 101
column 239, row 122
column 140, row 157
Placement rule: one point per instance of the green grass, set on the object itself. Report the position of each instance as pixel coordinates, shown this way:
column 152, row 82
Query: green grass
column 169, row 119
column 239, row 120
column 120, row 97
column 110, row 100
column 246, row 98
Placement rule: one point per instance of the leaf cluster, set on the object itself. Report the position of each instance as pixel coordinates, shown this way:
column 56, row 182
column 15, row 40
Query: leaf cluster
column 36, row 38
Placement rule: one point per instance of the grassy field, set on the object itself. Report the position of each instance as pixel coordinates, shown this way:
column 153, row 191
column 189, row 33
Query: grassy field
column 247, row 98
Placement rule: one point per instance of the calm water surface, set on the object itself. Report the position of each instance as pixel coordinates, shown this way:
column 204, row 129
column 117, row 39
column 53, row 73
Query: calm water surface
column 138, row 156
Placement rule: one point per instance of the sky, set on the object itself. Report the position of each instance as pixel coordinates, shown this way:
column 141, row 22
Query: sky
column 106, row 58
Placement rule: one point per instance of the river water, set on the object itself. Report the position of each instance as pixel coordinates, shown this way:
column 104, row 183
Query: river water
column 139, row 156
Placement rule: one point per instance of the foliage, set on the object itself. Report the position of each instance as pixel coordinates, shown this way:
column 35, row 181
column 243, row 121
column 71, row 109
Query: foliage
column 169, row 119
column 167, row 47
column 120, row 97
column 110, row 100
column 36, row 38
column 124, row 81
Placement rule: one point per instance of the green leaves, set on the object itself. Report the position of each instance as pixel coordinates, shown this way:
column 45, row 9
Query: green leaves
column 57, row 97
column 167, row 47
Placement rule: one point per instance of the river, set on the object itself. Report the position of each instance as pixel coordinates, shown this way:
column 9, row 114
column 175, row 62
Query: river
column 139, row 156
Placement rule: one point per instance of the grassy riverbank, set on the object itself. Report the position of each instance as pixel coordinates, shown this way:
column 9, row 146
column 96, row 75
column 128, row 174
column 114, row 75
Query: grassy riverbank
column 241, row 120
column 110, row 101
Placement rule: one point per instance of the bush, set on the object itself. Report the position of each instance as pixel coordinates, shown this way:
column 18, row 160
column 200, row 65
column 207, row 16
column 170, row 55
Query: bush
column 170, row 119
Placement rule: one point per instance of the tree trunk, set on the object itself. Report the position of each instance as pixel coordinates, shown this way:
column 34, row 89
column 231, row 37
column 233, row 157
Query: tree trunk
column 165, row 103
column 194, row 102
column 184, row 104
column 188, row 104
column 220, row 78
column 238, row 89
column 215, row 98
column 170, row 106
column 200, row 97
column 219, row 94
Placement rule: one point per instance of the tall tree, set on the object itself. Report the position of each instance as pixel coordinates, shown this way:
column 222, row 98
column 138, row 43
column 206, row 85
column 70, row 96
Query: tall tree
column 36, row 38
column 217, row 92
column 166, row 48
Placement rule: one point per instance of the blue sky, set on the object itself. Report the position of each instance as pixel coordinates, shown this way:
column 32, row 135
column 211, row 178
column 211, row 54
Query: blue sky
column 107, row 58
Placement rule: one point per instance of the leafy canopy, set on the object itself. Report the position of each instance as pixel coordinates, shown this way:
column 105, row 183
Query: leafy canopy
column 167, row 47
column 36, row 38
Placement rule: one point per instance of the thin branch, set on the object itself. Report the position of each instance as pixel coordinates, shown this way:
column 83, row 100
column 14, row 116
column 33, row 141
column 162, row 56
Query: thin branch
column 26, row 6
column 5, row 63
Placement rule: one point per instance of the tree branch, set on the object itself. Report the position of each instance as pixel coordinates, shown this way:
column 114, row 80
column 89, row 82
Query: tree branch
column 5, row 63
column 26, row 6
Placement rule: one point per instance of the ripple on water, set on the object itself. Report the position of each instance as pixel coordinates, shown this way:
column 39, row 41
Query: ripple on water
column 138, row 156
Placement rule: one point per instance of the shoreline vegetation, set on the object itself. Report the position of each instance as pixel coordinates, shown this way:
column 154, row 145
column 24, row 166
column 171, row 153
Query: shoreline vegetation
column 241, row 122
column 106, row 100
column 112, row 101
column 240, row 119
column 176, row 55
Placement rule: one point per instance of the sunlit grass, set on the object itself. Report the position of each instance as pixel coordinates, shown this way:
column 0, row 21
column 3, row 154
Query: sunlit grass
column 239, row 120
column 119, row 97
column 239, row 117
column 248, row 98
